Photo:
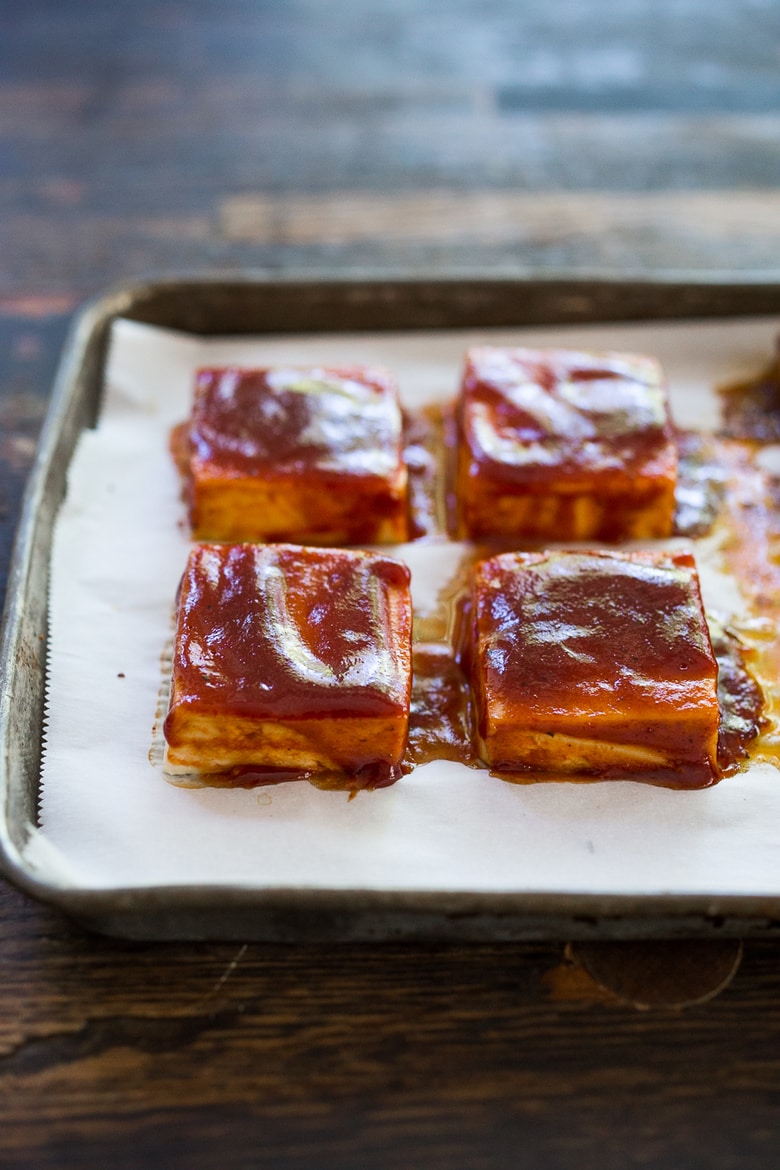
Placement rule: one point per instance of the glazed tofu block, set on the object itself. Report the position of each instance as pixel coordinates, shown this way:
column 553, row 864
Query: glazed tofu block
column 563, row 445
column 597, row 663
column 302, row 455
column 291, row 660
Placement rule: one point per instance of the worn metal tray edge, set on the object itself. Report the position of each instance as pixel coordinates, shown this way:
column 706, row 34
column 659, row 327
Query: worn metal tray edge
column 183, row 912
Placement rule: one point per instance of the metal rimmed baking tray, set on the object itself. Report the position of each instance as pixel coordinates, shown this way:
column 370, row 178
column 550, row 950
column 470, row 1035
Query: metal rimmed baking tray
column 257, row 306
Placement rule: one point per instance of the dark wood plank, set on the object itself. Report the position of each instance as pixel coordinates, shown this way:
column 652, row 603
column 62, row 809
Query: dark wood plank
column 224, row 134
column 365, row 1055
column 125, row 140
column 31, row 337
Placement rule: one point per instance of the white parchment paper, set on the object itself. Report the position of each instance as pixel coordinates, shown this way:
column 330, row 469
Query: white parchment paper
column 109, row 818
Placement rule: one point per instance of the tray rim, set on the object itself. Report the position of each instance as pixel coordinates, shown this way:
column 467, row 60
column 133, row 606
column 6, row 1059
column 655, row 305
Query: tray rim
column 299, row 913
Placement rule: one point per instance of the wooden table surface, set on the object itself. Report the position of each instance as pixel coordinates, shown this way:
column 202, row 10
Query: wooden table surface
column 399, row 136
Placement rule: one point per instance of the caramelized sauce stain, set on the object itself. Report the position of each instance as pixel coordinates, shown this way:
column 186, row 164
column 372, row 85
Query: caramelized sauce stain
column 752, row 528
column 367, row 779
column 740, row 699
column 440, row 720
column 751, row 408
column 424, row 454
column 371, row 776
column 701, row 484
column 751, row 548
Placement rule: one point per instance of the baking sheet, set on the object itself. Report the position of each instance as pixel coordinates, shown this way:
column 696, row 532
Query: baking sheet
column 110, row 820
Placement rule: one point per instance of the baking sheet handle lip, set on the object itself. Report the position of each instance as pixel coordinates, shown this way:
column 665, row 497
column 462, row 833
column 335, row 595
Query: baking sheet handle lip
column 128, row 292
column 301, row 914
column 130, row 297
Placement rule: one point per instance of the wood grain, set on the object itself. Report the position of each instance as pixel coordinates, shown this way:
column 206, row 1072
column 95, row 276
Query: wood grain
column 187, row 137
column 364, row 1055
column 497, row 216
column 408, row 135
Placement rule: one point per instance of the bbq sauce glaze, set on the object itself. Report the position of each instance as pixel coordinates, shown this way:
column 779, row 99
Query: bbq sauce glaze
column 441, row 719
column 751, row 408
column 266, row 421
column 570, row 411
column 276, row 633
column 442, row 723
